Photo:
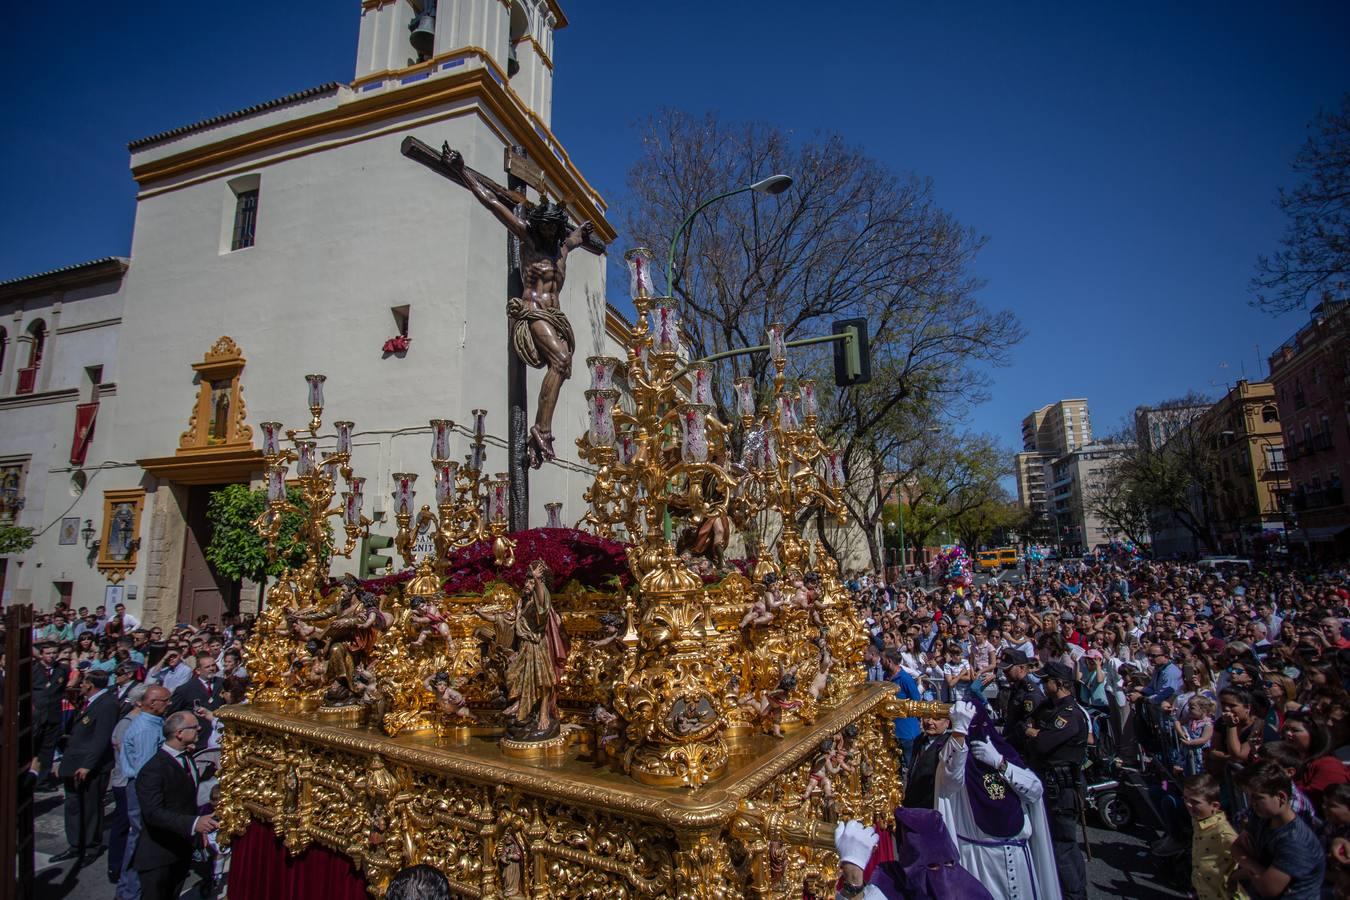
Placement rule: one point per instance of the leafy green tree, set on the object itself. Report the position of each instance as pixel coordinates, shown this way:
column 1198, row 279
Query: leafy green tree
column 15, row 539
column 236, row 550
column 983, row 523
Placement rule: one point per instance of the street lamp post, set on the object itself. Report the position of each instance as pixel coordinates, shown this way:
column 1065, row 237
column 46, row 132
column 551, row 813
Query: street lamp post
column 774, row 184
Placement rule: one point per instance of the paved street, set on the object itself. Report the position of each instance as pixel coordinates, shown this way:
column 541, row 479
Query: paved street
column 64, row 881
column 1121, row 867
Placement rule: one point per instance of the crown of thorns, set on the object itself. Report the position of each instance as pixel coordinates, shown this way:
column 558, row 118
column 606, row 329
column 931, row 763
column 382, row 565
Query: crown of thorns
column 544, row 213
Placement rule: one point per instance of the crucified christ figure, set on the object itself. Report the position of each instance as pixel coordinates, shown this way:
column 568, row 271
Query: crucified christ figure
column 540, row 333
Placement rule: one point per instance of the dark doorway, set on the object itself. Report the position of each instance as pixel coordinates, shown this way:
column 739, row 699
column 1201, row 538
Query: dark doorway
column 202, row 592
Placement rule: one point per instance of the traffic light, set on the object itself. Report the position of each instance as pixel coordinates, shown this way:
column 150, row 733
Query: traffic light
column 853, row 356
column 372, row 560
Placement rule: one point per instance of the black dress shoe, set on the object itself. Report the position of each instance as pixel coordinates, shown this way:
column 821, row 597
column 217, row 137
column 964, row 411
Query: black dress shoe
column 95, row 851
column 68, row 853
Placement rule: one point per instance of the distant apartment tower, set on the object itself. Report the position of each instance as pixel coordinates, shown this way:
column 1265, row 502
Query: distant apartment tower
column 1047, row 434
column 1057, row 428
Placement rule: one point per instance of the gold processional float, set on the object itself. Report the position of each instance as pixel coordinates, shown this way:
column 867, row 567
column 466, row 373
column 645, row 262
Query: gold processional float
column 695, row 734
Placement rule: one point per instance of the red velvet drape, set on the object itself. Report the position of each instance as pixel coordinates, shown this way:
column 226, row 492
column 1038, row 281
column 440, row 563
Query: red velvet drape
column 260, row 869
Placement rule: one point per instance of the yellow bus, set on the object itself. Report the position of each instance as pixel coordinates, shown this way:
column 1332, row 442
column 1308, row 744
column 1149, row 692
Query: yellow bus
column 1007, row 557
column 987, row 561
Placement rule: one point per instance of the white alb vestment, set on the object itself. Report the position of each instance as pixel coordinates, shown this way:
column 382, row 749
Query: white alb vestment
column 1021, row 867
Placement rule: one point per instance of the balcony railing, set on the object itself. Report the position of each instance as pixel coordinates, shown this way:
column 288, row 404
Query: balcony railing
column 27, row 380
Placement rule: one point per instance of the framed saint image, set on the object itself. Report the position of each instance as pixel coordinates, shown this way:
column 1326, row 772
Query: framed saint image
column 114, row 594
column 120, row 541
column 70, row 531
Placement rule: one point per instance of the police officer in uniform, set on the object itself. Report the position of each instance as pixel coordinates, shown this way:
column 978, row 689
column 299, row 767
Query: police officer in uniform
column 1023, row 696
column 1057, row 742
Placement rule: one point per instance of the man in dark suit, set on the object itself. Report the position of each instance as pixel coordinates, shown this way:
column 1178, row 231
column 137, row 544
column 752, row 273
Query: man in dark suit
column 167, row 790
column 203, row 688
column 49, row 685
column 85, row 767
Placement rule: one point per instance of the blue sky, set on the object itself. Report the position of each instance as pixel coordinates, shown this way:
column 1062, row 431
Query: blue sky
column 1122, row 159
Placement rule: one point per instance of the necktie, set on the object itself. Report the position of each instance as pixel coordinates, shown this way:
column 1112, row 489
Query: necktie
column 185, row 760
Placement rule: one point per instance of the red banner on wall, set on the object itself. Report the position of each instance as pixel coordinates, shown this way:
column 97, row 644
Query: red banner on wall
column 85, row 414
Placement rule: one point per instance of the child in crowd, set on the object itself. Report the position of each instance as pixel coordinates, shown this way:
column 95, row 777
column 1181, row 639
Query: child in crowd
column 1212, row 862
column 1195, row 733
column 1277, row 854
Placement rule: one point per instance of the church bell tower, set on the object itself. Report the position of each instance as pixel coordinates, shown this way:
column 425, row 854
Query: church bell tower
column 410, row 39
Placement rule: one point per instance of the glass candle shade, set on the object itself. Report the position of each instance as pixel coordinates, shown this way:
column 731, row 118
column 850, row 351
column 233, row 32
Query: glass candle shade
column 304, row 466
column 440, row 439
column 276, row 483
column 271, row 438
column 358, row 487
column 665, row 326
column 602, row 372
column 778, row 342
column 640, row 353
column 627, row 445
column 700, row 384
column 330, row 467
column 477, row 457
column 344, row 437
column 404, row 493
column 834, row 468
column 639, row 261
column 600, row 405
column 787, row 412
column 770, row 452
column 351, row 509
column 554, row 511
column 806, row 390
column 316, row 390
column 479, row 422
column 745, row 396
column 445, row 482
column 693, row 433
column 499, row 494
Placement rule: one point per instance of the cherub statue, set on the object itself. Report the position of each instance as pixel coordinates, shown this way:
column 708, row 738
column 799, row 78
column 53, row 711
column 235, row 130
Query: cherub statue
column 372, row 696
column 769, row 706
column 830, row 763
column 822, row 679
column 806, row 595
column 449, row 700
column 768, row 600
column 428, row 620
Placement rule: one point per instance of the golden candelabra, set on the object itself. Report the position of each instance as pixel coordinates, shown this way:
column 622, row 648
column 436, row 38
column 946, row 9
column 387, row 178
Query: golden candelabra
column 316, row 480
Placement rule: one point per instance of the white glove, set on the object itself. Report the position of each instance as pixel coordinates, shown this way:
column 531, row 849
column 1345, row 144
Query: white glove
column 854, row 842
column 961, row 714
column 984, row 751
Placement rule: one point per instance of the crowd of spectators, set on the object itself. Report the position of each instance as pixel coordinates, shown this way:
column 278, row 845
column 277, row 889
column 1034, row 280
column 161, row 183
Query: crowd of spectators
column 1199, row 682
column 110, row 697
column 1224, row 691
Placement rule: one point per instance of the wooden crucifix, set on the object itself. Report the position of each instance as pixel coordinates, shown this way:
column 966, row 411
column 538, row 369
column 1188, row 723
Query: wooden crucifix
column 538, row 333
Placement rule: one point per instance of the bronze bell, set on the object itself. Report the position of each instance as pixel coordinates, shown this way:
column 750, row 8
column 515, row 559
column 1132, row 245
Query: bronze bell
column 423, row 28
